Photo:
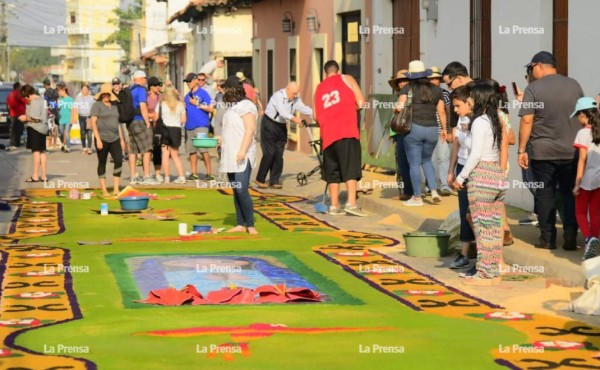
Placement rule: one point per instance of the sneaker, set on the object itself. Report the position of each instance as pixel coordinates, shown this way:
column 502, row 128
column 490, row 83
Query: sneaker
column 168, row 179
column 89, row 151
column 445, row 192
column 135, row 180
column 160, row 179
column 354, row 210
column 470, row 272
column 413, row 202
column 530, row 220
column 209, row 177
column 460, row 262
column 192, row 177
column 334, row 211
column 150, row 181
column 591, row 248
column 435, row 197
column 180, row 180
column 11, row 148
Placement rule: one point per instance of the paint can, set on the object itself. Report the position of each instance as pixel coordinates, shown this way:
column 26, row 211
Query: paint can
column 183, row 228
column 104, row 209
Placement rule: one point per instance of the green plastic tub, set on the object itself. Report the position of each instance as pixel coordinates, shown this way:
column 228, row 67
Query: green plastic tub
column 427, row 243
column 205, row 142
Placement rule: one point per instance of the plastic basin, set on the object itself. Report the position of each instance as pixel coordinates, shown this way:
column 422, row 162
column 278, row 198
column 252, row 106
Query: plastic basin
column 134, row 203
column 426, row 243
column 202, row 228
column 206, row 142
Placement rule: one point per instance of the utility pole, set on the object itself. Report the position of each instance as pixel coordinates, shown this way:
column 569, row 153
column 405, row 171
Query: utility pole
column 3, row 41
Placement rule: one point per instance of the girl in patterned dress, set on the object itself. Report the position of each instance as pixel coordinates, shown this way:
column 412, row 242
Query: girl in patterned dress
column 486, row 183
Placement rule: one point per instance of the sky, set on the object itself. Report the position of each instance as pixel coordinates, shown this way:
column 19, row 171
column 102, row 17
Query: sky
column 26, row 20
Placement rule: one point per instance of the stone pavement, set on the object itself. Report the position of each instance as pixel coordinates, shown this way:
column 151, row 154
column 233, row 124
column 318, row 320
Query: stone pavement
column 561, row 280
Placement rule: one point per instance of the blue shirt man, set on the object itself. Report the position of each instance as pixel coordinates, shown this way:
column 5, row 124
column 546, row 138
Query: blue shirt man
column 194, row 100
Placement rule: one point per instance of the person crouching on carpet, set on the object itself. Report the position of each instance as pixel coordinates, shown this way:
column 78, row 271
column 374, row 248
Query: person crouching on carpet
column 108, row 138
column 486, row 183
column 238, row 151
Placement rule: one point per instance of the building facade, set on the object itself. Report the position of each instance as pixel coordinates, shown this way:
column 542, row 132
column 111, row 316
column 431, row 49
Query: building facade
column 86, row 25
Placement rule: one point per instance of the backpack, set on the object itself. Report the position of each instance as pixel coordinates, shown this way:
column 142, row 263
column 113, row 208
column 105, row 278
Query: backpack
column 125, row 106
column 51, row 97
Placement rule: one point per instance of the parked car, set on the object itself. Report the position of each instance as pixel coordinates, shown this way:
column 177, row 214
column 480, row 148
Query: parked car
column 5, row 89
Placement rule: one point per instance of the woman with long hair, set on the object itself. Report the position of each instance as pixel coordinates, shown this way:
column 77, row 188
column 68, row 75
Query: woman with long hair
column 486, row 183
column 108, row 137
column 587, row 182
column 423, row 137
column 238, row 151
column 36, row 123
column 172, row 112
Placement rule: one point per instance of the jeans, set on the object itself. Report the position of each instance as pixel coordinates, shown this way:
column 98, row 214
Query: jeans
column 442, row 158
column 244, row 209
column 16, row 131
column 273, row 137
column 549, row 174
column 86, row 132
column 419, row 145
column 403, row 169
column 466, row 232
column 61, row 133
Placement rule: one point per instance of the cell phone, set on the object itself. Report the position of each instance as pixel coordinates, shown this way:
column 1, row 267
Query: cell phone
column 515, row 89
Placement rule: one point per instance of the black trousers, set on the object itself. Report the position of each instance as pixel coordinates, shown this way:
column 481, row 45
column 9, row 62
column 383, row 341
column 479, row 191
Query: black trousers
column 273, row 137
column 549, row 174
column 16, row 130
column 116, row 152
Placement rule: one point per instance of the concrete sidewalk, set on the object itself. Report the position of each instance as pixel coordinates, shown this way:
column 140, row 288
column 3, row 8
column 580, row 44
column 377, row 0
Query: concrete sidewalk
column 66, row 169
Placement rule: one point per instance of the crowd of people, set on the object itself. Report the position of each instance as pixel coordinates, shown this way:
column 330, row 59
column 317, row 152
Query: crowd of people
column 554, row 152
column 463, row 129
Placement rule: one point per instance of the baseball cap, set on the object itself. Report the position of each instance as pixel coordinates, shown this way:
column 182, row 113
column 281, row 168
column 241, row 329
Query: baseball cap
column 139, row 74
column 154, row 81
column 583, row 104
column 231, row 81
column 116, row 80
column 240, row 75
column 190, row 76
column 543, row 57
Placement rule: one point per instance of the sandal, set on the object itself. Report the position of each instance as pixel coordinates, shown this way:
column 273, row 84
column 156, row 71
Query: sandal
column 31, row 179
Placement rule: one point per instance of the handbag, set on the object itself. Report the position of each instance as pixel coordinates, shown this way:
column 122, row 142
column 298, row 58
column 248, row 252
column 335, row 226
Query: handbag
column 160, row 129
column 402, row 121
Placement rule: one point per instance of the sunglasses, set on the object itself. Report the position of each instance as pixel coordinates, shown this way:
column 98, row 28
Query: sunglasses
column 160, row 84
column 202, row 79
column 449, row 84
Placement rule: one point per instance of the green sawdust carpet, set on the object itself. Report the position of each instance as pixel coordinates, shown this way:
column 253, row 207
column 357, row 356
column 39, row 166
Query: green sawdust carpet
column 357, row 327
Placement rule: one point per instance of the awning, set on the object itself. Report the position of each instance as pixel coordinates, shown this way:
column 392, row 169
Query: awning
column 196, row 7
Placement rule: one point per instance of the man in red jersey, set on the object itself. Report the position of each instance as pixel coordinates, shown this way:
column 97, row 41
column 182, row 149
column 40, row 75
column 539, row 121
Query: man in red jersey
column 16, row 107
column 337, row 99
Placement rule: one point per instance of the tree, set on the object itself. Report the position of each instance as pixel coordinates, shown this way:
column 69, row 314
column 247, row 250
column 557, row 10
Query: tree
column 122, row 36
column 29, row 63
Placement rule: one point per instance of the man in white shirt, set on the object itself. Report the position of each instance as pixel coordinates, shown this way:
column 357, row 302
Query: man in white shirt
column 273, row 132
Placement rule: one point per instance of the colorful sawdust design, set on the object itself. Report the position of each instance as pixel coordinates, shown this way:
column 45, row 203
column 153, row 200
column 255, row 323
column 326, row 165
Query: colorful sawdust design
column 552, row 343
column 243, row 334
column 36, row 287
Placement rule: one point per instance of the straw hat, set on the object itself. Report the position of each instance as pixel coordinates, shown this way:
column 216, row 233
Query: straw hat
column 106, row 89
column 416, row 70
column 435, row 72
column 401, row 74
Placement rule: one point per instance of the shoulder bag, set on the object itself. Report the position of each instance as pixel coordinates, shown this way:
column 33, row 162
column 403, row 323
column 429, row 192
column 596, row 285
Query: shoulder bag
column 402, row 121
